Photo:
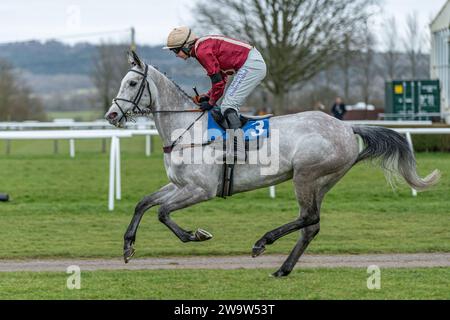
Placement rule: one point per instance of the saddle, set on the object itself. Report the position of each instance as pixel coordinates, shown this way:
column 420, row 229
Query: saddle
column 254, row 128
column 218, row 117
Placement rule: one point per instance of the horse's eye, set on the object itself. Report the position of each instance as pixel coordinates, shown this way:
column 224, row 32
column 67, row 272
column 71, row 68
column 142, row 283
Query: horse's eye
column 133, row 83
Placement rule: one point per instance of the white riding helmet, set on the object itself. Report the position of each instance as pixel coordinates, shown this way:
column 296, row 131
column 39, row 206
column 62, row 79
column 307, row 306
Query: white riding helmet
column 179, row 37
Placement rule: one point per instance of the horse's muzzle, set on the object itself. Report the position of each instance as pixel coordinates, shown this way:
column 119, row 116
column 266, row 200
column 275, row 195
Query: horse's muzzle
column 111, row 116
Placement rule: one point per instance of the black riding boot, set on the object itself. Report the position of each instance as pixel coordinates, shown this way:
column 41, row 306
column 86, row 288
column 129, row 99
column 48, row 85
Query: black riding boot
column 232, row 118
column 235, row 150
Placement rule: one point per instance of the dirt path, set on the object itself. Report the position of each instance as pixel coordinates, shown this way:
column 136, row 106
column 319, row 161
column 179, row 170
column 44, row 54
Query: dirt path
column 234, row 262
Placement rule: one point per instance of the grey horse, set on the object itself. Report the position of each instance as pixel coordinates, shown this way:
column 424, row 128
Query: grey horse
column 314, row 150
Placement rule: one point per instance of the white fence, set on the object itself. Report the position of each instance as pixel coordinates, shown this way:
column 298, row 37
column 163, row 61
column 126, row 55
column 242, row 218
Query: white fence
column 114, row 135
column 67, row 123
column 134, row 129
column 411, row 117
column 408, row 132
column 137, row 128
column 386, row 123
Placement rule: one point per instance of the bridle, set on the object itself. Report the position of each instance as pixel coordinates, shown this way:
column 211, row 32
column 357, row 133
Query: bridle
column 148, row 109
column 135, row 102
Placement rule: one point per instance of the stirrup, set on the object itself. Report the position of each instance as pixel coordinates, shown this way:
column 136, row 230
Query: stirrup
column 227, row 188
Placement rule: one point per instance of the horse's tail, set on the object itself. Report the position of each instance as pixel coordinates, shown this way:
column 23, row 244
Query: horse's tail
column 395, row 154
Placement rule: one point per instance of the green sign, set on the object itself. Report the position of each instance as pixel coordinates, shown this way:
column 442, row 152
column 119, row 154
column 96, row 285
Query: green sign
column 408, row 98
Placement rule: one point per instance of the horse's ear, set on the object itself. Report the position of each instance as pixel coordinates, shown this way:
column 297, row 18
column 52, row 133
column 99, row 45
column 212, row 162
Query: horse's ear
column 133, row 59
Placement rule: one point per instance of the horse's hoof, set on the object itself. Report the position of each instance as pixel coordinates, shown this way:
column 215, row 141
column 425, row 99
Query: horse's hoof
column 257, row 251
column 202, row 235
column 280, row 273
column 128, row 254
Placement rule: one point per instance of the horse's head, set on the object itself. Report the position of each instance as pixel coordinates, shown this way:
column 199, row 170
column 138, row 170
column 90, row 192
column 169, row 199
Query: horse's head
column 135, row 95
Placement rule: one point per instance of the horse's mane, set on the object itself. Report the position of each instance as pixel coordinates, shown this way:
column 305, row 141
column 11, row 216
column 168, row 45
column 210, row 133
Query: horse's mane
column 172, row 81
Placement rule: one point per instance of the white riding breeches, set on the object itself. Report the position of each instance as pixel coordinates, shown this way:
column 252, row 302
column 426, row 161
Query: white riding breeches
column 249, row 76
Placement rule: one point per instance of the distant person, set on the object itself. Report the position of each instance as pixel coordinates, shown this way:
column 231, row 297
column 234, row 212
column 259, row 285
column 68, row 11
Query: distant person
column 338, row 109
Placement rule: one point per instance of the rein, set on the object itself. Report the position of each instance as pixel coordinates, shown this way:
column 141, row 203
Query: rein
column 137, row 110
column 169, row 149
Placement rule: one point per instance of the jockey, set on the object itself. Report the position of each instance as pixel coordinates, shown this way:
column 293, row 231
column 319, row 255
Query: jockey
column 221, row 57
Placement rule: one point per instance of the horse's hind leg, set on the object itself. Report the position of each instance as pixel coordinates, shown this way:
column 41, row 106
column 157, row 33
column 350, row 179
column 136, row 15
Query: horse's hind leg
column 309, row 216
column 310, row 195
column 310, row 201
column 307, row 236
column 146, row 203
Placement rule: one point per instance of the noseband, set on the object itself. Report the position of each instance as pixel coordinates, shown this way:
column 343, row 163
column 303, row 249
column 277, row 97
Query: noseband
column 135, row 102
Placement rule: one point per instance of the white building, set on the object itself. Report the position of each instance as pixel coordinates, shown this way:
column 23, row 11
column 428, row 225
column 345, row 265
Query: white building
column 440, row 54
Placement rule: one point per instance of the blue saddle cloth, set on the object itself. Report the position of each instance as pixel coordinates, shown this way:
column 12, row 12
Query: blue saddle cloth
column 253, row 129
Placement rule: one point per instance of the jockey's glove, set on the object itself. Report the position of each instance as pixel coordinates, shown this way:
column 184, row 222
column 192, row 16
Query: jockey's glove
column 201, row 98
column 204, row 106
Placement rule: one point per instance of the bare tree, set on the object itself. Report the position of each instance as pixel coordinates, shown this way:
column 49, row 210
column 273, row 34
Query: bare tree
column 17, row 102
column 7, row 88
column 413, row 42
column 367, row 63
column 297, row 38
column 346, row 63
column 110, row 65
column 347, row 56
column 392, row 54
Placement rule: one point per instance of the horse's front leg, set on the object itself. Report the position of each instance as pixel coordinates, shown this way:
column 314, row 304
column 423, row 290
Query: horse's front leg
column 183, row 198
column 146, row 203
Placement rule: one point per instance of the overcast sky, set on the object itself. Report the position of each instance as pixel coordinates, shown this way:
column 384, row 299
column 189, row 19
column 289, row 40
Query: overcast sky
column 43, row 19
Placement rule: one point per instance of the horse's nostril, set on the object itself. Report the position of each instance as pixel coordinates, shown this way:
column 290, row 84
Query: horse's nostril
column 112, row 115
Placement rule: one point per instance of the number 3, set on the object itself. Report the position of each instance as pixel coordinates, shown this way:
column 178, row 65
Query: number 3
column 259, row 129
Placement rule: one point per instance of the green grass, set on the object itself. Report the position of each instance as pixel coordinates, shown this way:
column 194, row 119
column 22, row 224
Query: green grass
column 87, row 115
column 346, row 283
column 59, row 209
